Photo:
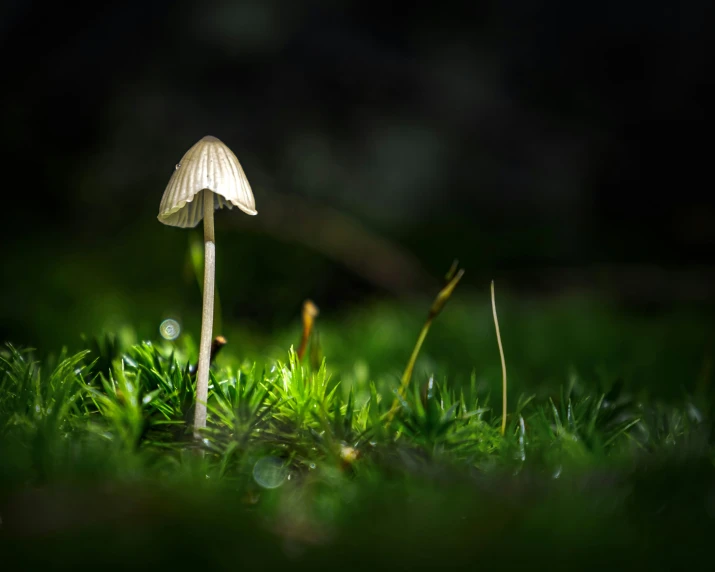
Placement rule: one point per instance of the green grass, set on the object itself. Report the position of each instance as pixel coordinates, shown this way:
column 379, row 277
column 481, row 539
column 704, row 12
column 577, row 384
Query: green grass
column 299, row 467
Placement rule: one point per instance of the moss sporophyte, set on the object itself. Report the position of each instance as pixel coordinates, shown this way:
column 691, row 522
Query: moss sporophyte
column 208, row 177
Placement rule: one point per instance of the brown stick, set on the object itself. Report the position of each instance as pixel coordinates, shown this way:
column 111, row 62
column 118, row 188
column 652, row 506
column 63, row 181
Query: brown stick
column 310, row 312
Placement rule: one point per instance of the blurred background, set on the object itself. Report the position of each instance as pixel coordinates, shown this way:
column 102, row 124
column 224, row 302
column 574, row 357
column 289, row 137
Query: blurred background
column 555, row 147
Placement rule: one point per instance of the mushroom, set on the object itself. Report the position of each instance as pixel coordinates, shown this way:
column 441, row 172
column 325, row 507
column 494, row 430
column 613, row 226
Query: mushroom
column 208, row 177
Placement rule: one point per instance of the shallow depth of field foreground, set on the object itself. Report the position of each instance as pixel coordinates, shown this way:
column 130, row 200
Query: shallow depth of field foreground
column 301, row 464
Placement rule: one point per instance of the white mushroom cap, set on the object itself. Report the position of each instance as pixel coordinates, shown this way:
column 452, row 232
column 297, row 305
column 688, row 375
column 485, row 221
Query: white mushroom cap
column 208, row 166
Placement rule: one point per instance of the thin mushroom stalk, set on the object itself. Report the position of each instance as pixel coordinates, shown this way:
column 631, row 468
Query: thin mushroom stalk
column 208, row 177
column 207, row 315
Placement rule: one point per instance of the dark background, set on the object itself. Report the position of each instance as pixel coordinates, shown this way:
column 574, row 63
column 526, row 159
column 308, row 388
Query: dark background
column 555, row 146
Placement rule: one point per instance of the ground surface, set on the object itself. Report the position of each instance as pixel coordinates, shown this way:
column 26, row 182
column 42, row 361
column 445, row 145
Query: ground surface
column 607, row 460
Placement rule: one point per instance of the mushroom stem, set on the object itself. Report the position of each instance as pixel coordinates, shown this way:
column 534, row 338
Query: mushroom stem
column 202, row 373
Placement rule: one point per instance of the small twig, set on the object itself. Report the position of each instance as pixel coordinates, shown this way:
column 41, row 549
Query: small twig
column 216, row 345
column 452, row 270
column 310, row 312
column 437, row 306
column 503, row 362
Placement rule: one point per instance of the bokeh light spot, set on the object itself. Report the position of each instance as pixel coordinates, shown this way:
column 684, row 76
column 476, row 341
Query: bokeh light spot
column 270, row 472
column 170, row 329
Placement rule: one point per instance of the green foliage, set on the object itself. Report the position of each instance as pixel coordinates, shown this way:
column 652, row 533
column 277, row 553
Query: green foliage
column 141, row 404
column 39, row 413
column 307, row 456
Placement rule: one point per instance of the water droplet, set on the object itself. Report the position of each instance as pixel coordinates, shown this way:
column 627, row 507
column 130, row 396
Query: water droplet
column 170, row 329
column 311, row 466
column 178, row 166
column 270, row 472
